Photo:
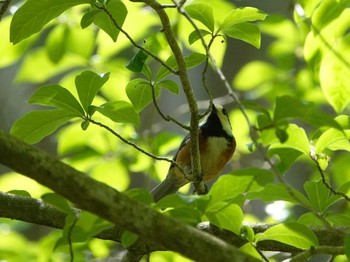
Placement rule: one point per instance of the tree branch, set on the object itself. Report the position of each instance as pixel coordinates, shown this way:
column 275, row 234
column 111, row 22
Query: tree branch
column 106, row 202
column 38, row 212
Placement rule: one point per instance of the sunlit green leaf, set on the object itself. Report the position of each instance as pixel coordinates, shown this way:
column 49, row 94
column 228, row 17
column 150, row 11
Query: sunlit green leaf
column 291, row 107
column 227, row 216
column 294, row 234
column 192, row 60
column 10, row 52
column 275, row 192
column 247, row 32
column 20, row 193
column 139, row 92
column 118, row 11
column 194, row 36
column 318, row 194
column 347, row 245
column 137, row 62
column 57, row 201
column 332, row 139
column 128, row 238
column 37, row 58
column 241, row 15
column 335, row 77
column 287, row 157
column 263, row 72
column 57, row 96
column 203, row 13
column 141, row 195
column 228, row 187
column 170, row 85
column 187, row 214
column 56, row 43
column 297, row 139
column 327, row 11
column 33, row 15
column 36, row 125
column 88, row 17
column 120, row 112
column 88, row 84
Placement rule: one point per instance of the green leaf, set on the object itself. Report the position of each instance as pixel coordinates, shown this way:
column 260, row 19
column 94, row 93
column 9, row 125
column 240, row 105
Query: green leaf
column 192, row 60
column 36, row 125
column 20, row 193
column 203, row 13
column 327, row 11
column 247, row 32
column 347, row 245
column 139, row 92
column 334, row 78
column 88, row 17
column 318, row 194
column 170, row 85
column 227, row 216
column 263, row 73
column 37, row 58
column 297, row 140
column 187, row 214
column 294, row 234
column 118, row 11
column 57, row 201
column 310, row 219
column 194, row 36
column 57, row 96
column 141, row 195
column 120, row 112
column 128, row 238
column 56, row 43
column 241, row 15
column 137, row 62
column 176, row 201
column 228, row 187
column 276, row 192
column 332, row 139
column 33, row 15
column 287, row 157
column 88, row 84
column 85, row 124
column 290, row 107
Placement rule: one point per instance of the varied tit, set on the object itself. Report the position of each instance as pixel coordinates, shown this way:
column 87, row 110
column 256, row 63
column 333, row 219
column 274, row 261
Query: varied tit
column 216, row 147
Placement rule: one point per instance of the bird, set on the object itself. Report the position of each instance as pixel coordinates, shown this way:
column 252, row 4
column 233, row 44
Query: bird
column 216, row 147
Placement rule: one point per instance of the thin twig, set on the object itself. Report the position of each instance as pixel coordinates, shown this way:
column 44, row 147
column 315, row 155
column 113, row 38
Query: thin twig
column 172, row 70
column 167, row 118
column 124, row 140
column 70, row 243
column 324, row 181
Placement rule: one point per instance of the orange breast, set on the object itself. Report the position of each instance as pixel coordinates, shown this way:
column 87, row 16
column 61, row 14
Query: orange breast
column 215, row 153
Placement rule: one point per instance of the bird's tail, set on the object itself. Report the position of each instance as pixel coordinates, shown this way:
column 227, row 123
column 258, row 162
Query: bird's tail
column 167, row 187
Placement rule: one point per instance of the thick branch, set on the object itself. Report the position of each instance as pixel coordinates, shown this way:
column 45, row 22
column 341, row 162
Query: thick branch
column 36, row 211
column 106, row 202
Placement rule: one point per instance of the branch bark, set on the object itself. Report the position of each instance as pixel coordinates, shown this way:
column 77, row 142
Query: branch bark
column 38, row 212
column 106, row 202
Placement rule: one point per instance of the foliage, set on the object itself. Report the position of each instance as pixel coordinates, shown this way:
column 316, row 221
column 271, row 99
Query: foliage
column 110, row 67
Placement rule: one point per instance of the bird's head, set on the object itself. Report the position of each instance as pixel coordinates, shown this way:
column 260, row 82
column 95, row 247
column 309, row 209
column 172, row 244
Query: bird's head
column 217, row 123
